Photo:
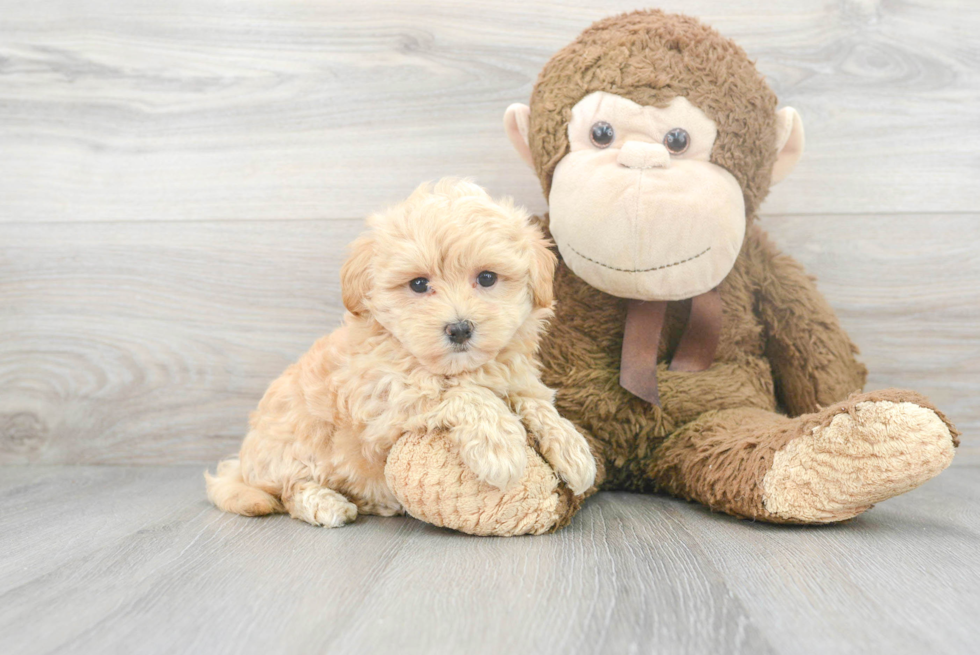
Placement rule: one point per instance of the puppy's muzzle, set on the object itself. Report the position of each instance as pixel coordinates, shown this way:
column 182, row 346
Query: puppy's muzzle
column 459, row 332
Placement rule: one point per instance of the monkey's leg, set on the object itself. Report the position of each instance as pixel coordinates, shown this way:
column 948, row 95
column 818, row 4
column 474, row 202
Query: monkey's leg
column 817, row 468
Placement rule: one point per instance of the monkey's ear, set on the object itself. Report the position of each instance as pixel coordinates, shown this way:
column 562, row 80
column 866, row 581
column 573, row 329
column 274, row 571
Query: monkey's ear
column 355, row 274
column 517, row 121
column 789, row 143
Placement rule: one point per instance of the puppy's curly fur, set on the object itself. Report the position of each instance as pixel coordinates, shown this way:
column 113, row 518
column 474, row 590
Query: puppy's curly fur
column 320, row 436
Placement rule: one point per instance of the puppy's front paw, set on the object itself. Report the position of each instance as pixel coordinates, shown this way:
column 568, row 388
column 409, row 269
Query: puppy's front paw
column 568, row 453
column 499, row 457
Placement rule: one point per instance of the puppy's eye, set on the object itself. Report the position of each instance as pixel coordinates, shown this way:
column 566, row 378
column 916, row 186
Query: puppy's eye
column 419, row 285
column 677, row 141
column 487, row 278
column 602, row 134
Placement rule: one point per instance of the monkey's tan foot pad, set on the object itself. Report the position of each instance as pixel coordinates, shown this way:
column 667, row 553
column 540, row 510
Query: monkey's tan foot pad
column 430, row 480
column 872, row 450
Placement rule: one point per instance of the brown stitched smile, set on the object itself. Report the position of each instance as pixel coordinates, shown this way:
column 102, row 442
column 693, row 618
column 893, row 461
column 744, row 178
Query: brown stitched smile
column 638, row 270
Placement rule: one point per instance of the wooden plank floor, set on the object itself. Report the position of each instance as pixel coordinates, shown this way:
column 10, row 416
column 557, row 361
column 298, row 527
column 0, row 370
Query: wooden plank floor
column 177, row 184
column 134, row 560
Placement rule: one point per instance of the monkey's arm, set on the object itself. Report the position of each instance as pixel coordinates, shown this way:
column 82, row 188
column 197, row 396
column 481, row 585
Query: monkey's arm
column 813, row 360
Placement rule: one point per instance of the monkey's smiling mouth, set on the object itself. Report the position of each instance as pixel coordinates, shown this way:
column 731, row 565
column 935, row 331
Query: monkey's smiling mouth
column 640, row 270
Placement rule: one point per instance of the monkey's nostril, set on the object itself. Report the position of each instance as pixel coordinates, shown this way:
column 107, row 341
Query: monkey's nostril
column 460, row 331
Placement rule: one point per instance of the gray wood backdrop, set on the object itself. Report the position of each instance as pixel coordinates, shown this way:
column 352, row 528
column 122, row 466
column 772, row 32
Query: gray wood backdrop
column 178, row 181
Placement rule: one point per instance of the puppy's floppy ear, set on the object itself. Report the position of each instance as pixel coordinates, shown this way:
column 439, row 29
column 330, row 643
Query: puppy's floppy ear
column 543, row 263
column 355, row 274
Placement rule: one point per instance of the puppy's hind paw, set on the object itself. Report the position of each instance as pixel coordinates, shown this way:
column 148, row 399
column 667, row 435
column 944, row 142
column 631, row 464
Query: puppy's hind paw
column 321, row 506
column 334, row 515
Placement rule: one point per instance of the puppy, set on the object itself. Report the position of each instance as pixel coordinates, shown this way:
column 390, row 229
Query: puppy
column 447, row 294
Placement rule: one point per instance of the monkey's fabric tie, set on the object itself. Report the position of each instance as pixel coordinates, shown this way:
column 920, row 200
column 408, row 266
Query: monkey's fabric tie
column 641, row 340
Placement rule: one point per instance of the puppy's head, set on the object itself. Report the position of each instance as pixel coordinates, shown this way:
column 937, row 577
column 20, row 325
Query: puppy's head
column 454, row 276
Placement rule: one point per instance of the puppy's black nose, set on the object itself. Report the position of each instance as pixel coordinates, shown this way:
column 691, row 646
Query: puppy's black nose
column 459, row 332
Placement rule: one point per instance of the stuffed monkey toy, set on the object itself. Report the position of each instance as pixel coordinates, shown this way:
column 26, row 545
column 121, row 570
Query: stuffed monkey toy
column 697, row 360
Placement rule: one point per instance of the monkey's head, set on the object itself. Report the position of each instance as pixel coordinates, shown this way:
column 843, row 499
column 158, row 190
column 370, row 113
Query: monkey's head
column 655, row 140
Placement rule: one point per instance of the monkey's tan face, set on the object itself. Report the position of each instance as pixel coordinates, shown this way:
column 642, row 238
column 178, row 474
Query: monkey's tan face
column 637, row 208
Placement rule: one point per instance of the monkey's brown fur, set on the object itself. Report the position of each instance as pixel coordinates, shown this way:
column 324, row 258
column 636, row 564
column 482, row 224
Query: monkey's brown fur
column 714, row 437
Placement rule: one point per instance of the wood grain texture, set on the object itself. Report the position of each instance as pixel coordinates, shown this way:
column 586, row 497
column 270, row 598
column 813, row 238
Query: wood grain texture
column 210, row 110
column 150, row 343
column 178, row 181
column 117, row 559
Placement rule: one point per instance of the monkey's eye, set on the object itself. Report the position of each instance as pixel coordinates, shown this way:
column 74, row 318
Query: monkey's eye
column 677, row 141
column 602, row 134
column 487, row 279
column 419, row 285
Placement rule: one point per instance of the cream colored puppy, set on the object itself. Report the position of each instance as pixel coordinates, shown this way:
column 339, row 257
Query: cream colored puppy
column 447, row 295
